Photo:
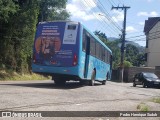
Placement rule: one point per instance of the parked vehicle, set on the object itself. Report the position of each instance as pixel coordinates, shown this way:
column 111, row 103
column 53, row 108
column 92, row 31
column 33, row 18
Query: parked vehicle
column 146, row 79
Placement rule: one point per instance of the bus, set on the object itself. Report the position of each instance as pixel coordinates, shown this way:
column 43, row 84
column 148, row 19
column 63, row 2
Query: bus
column 67, row 50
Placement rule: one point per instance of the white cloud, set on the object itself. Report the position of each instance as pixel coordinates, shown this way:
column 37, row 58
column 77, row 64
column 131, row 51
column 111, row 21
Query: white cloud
column 147, row 14
column 76, row 10
column 141, row 23
column 130, row 29
column 89, row 4
column 149, row 0
column 118, row 16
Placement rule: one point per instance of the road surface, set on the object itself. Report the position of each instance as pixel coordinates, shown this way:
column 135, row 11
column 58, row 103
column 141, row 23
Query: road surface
column 46, row 96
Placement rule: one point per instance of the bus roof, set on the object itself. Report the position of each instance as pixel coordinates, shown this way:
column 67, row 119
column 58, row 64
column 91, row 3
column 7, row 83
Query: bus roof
column 59, row 21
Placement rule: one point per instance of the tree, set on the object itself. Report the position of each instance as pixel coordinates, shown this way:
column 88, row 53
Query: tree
column 127, row 64
column 52, row 10
column 8, row 7
column 132, row 53
column 17, row 29
column 113, row 45
column 101, row 36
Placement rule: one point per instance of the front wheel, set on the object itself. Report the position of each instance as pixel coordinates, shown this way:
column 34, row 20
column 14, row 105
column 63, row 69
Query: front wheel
column 144, row 84
column 92, row 81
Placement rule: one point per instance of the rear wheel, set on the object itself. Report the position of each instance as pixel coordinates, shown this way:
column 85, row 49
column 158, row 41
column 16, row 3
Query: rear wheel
column 104, row 81
column 92, row 81
column 134, row 84
column 59, row 82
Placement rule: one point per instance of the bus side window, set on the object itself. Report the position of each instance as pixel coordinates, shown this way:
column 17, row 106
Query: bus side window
column 103, row 53
column 84, row 41
column 97, row 50
column 106, row 56
column 109, row 57
column 92, row 47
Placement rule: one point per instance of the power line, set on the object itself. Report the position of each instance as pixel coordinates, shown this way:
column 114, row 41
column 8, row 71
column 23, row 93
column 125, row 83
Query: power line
column 93, row 11
column 112, row 2
column 108, row 16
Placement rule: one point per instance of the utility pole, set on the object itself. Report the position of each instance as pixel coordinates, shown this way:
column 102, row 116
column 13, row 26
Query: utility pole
column 123, row 38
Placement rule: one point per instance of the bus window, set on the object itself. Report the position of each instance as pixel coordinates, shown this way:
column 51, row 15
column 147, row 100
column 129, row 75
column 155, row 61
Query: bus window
column 84, row 41
column 71, row 27
column 92, row 47
column 109, row 57
column 106, row 56
column 103, row 54
column 97, row 50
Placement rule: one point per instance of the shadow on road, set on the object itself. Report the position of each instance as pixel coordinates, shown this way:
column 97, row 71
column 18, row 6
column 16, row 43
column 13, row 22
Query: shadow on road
column 139, row 87
column 51, row 85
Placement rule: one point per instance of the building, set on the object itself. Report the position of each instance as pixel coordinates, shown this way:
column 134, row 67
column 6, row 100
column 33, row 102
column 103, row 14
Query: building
column 152, row 32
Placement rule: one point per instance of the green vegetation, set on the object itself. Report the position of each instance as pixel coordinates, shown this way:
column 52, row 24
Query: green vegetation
column 18, row 20
column 10, row 75
column 143, row 107
column 133, row 56
column 156, row 100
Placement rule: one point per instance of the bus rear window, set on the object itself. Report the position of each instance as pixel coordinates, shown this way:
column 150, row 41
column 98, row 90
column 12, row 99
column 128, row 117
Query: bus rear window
column 71, row 27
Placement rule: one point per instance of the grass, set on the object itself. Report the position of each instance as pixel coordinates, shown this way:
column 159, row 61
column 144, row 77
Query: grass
column 143, row 107
column 13, row 76
column 156, row 100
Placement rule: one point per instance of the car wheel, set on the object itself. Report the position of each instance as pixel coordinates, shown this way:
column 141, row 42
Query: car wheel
column 134, row 84
column 144, row 85
column 92, row 81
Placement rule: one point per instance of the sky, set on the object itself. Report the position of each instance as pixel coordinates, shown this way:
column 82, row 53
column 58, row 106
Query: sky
column 97, row 15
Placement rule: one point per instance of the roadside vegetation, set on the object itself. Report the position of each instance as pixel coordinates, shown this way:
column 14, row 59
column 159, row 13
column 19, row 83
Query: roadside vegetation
column 156, row 100
column 7, row 75
column 143, row 107
column 18, row 21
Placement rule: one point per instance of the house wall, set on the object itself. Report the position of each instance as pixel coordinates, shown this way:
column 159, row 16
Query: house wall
column 153, row 50
column 131, row 71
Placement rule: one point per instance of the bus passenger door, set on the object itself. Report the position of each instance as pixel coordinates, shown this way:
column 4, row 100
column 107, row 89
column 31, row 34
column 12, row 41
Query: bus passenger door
column 87, row 56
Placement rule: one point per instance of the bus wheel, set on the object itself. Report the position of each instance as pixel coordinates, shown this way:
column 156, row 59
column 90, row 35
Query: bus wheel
column 104, row 82
column 59, row 82
column 92, row 81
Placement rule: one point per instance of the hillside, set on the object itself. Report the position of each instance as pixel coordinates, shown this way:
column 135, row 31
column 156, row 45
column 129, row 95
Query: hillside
column 140, row 48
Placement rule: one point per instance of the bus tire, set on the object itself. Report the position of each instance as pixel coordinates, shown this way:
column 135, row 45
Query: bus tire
column 104, row 81
column 92, row 81
column 59, row 82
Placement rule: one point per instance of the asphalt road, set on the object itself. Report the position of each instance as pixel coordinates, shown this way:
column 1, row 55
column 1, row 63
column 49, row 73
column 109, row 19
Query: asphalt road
column 46, row 96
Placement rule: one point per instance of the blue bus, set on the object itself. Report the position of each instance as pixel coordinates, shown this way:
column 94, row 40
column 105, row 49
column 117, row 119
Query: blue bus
column 66, row 50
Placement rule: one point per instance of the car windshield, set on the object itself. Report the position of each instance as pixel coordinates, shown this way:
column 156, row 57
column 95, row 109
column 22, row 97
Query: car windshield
column 150, row 75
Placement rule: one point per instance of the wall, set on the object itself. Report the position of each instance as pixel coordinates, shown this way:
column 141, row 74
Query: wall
column 153, row 46
column 131, row 71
